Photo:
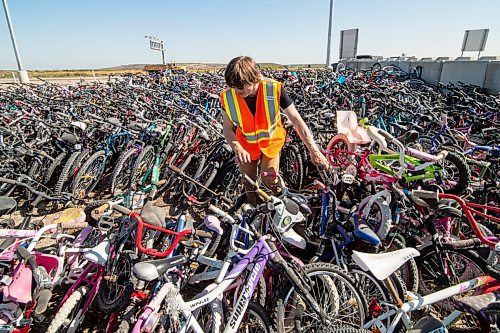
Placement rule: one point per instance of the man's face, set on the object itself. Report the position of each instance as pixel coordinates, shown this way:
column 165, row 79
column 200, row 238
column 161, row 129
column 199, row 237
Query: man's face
column 247, row 90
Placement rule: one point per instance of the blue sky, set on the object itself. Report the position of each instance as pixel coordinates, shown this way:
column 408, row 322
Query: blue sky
column 56, row 34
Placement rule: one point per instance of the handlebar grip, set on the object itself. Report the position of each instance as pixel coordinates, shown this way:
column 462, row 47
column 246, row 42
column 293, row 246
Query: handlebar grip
column 122, row 209
column 263, row 195
column 219, row 212
column 226, row 200
column 425, row 194
column 101, row 209
column 467, row 243
column 23, row 253
column 270, row 174
column 175, row 169
column 202, row 233
column 7, row 180
column 162, row 182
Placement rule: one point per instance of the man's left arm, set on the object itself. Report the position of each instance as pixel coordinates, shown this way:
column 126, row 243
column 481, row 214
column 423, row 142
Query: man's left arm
column 305, row 135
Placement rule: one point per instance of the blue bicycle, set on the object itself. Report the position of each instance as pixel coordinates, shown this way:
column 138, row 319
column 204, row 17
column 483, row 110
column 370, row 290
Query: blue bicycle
column 91, row 172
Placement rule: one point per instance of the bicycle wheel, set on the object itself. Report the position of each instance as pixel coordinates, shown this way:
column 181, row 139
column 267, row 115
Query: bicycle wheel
column 440, row 270
column 122, row 173
column 143, row 163
column 116, row 290
column 335, row 292
column 55, row 164
column 66, row 173
column 207, row 176
column 376, row 290
column 339, row 142
column 68, row 314
column 292, row 167
column 255, row 320
column 379, row 218
column 89, row 174
column 456, row 176
column 229, row 182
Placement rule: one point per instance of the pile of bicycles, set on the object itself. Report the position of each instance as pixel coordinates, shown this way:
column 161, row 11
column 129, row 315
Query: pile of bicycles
column 400, row 233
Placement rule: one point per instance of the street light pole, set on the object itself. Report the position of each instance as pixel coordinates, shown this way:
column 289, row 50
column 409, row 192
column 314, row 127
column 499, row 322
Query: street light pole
column 329, row 34
column 23, row 75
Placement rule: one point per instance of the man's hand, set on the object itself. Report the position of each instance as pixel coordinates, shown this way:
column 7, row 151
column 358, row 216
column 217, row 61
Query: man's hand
column 319, row 159
column 241, row 155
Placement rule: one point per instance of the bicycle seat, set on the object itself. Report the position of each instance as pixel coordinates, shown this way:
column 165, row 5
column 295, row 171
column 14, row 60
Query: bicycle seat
column 69, row 138
column 114, row 121
column 427, row 324
column 7, row 204
column 483, row 306
column 153, row 215
column 365, row 233
column 152, row 269
column 383, row 264
column 409, row 136
column 135, row 126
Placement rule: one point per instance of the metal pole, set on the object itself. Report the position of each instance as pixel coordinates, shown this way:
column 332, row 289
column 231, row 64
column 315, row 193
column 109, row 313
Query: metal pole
column 329, row 34
column 162, row 54
column 23, row 75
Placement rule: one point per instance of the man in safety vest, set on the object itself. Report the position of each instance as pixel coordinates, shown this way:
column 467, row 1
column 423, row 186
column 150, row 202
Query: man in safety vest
column 252, row 122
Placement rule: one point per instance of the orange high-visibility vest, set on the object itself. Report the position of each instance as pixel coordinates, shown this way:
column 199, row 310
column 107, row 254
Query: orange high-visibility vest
column 262, row 133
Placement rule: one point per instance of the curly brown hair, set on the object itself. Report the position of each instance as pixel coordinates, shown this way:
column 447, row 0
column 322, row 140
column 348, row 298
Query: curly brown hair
column 241, row 71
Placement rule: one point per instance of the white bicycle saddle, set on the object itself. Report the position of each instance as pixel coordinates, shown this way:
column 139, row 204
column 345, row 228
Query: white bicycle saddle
column 383, row 264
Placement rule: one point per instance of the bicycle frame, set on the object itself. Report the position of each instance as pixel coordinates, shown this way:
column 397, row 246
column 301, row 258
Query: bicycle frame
column 401, row 313
column 260, row 250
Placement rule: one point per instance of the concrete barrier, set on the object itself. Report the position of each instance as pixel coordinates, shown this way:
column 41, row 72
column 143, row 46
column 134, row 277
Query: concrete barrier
column 471, row 72
column 492, row 79
column 431, row 70
column 484, row 73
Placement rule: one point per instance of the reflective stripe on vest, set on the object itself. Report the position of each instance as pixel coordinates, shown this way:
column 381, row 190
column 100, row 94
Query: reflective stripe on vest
column 270, row 93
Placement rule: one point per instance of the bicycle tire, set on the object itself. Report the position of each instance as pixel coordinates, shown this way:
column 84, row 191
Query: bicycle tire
column 340, row 142
column 362, row 280
column 464, row 176
column 53, row 166
column 428, row 260
column 65, row 173
column 291, row 157
column 66, row 309
column 84, row 154
column 380, row 225
column 122, row 171
column 120, row 303
column 207, row 176
column 258, row 311
column 344, row 281
column 139, row 169
column 83, row 170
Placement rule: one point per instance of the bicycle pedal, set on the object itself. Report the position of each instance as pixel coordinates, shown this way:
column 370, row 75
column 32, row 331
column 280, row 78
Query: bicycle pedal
column 347, row 178
column 106, row 223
